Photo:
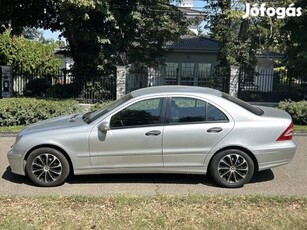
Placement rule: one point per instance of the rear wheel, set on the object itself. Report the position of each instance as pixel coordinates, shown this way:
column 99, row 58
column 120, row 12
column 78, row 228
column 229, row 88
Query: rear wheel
column 47, row 167
column 231, row 168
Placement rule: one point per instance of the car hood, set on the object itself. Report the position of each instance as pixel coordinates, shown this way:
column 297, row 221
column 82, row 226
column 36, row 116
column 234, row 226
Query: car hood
column 61, row 122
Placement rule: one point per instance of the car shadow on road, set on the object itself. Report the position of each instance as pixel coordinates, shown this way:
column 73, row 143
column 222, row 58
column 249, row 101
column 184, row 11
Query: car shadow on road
column 258, row 177
column 262, row 176
column 17, row 179
column 141, row 179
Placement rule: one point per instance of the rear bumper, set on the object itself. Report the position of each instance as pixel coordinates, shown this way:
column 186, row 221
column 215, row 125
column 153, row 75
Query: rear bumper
column 276, row 155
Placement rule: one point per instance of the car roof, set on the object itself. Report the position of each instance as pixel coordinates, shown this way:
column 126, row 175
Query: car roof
column 175, row 89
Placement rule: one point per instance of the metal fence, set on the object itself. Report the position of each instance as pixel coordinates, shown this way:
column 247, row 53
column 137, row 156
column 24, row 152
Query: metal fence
column 62, row 84
column 146, row 77
column 270, row 86
column 257, row 86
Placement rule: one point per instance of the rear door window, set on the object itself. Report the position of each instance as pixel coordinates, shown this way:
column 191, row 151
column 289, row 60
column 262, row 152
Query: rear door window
column 187, row 110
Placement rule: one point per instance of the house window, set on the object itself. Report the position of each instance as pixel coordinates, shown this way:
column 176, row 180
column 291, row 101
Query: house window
column 171, row 73
column 187, row 69
column 204, row 69
column 171, row 68
column 187, row 74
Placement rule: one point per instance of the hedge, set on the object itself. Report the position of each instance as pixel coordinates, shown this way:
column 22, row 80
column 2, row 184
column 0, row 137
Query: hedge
column 100, row 105
column 298, row 110
column 23, row 111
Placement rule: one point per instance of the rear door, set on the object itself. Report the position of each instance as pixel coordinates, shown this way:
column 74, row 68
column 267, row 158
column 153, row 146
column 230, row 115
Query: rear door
column 194, row 127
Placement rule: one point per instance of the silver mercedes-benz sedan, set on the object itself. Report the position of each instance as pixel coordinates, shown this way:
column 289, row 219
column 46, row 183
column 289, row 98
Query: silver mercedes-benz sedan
column 167, row 129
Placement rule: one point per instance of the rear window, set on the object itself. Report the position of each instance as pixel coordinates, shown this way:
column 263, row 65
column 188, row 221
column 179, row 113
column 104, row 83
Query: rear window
column 243, row 104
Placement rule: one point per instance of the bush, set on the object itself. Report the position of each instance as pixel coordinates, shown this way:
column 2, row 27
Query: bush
column 99, row 105
column 257, row 96
column 298, row 110
column 23, row 111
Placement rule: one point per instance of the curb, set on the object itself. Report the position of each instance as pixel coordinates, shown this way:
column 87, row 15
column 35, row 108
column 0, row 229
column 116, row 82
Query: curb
column 300, row 134
column 8, row 134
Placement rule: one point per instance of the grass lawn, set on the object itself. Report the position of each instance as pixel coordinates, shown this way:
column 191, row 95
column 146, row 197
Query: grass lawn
column 300, row 128
column 154, row 212
column 10, row 129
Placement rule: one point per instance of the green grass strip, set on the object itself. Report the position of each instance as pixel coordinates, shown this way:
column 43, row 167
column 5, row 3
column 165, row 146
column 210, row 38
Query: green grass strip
column 154, row 212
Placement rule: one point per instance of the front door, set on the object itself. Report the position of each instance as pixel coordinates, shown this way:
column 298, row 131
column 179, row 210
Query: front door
column 134, row 139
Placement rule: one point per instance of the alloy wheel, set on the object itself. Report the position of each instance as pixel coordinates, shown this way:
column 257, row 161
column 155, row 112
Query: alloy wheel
column 46, row 168
column 232, row 168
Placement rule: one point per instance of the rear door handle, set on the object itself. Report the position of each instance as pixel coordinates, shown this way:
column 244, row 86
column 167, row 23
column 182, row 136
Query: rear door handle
column 153, row 133
column 214, row 130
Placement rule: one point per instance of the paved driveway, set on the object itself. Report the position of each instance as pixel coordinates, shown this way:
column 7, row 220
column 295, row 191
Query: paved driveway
column 290, row 179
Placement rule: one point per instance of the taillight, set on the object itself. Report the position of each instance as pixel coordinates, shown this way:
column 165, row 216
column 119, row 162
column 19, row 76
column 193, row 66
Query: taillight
column 287, row 134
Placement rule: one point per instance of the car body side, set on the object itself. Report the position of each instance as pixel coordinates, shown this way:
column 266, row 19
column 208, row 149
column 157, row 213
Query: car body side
column 254, row 134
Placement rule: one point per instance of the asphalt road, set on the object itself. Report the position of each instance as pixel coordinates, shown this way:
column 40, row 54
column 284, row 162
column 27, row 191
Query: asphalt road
column 290, row 179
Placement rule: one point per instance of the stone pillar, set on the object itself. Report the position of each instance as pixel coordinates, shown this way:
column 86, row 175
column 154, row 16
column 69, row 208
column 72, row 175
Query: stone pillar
column 152, row 77
column 121, row 74
column 234, row 81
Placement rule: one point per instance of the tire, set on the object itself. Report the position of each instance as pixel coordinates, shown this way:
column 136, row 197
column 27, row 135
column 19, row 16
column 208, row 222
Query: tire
column 231, row 168
column 47, row 167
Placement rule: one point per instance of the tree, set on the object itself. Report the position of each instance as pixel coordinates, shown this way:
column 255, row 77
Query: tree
column 296, row 53
column 238, row 43
column 31, row 33
column 241, row 39
column 99, row 32
column 27, row 56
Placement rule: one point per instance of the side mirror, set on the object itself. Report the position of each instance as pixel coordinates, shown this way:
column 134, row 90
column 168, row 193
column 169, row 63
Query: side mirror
column 104, row 126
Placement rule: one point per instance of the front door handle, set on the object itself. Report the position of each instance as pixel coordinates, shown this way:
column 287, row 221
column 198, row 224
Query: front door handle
column 214, row 130
column 153, row 133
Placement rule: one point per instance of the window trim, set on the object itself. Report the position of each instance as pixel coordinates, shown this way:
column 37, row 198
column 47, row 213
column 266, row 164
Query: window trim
column 252, row 109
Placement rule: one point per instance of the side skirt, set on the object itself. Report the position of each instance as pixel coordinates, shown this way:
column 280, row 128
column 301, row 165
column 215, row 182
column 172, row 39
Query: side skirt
column 181, row 170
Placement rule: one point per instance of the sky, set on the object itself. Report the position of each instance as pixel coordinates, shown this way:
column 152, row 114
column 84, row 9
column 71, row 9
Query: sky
column 51, row 35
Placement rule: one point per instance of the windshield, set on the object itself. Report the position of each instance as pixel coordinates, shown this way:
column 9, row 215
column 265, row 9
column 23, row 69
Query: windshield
column 92, row 116
column 245, row 105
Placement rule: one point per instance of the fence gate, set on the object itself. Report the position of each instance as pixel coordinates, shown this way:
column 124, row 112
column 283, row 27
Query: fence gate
column 146, row 77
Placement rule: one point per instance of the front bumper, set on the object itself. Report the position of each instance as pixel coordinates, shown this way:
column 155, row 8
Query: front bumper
column 16, row 162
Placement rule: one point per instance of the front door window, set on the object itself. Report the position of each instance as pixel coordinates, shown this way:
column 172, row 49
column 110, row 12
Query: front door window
column 142, row 113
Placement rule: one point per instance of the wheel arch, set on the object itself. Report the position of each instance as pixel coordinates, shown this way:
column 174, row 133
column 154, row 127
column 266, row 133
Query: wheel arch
column 53, row 147
column 248, row 152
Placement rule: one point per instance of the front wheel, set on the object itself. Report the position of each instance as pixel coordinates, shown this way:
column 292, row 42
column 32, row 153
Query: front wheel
column 47, row 167
column 231, row 168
